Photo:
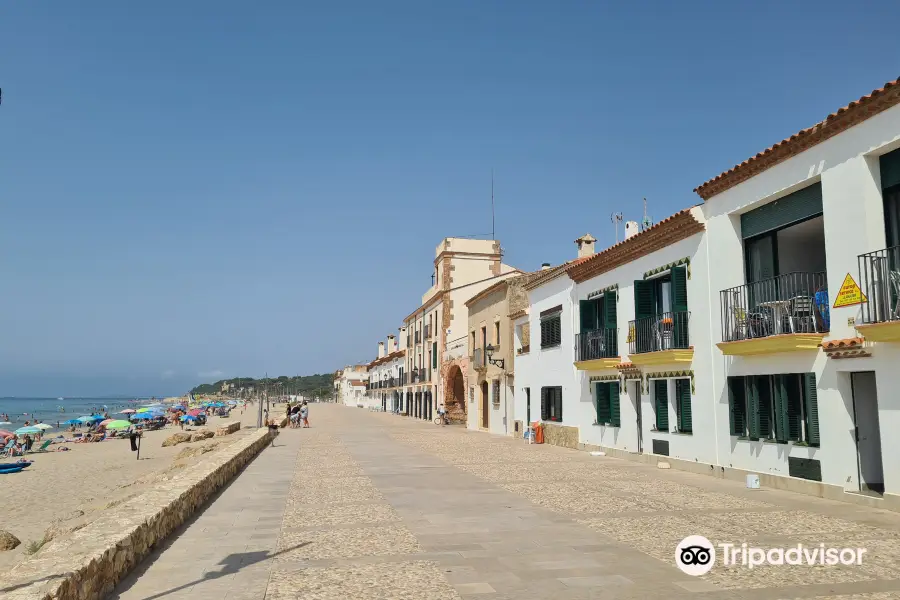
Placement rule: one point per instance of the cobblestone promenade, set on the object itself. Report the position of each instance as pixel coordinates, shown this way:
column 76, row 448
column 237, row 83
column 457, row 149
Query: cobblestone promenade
column 375, row 506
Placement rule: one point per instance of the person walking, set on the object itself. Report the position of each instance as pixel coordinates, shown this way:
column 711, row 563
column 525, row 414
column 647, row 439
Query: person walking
column 441, row 412
column 304, row 414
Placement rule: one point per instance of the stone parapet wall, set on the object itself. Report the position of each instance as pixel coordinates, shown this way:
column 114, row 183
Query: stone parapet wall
column 560, row 435
column 87, row 564
column 228, row 428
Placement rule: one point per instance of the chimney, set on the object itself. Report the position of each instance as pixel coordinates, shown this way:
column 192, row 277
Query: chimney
column 631, row 229
column 545, row 266
column 585, row 245
column 380, row 349
column 392, row 344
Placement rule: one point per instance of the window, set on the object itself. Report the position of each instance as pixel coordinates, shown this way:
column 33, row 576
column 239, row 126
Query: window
column 683, row 405
column 599, row 315
column 472, row 343
column 495, row 391
column 606, row 401
column 434, row 355
column 661, row 403
column 528, row 406
column 497, row 333
column 551, row 404
column 661, row 311
column 471, row 393
column 779, row 408
column 551, row 327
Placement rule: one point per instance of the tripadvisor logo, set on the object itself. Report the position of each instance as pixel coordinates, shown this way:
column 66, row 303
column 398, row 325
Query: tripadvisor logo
column 696, row 555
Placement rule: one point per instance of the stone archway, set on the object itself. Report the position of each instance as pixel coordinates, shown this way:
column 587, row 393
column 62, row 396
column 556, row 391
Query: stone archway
column 454, row 379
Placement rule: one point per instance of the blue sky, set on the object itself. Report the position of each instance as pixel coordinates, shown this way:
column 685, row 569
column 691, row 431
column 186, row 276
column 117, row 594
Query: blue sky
column 191, row 190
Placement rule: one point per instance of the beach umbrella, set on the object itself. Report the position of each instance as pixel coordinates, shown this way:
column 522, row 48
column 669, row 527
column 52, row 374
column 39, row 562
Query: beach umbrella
column 189, row 418
column 144, row 417
column 127, row 411
column 72, row 422
column 5, row 434
column 5, row 423
column 107, row 421
column 143, row 409
column 44, row 426
column 118, row 424
column 24, row 430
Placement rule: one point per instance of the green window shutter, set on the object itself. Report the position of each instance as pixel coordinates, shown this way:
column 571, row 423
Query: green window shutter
column 545, row 404
column 602, row 401
column 890, row 169
column 764, row 389
column 793, row 208
column 751, row 390
column 588, row 310
column 683, row 396
column 434, row 355
column 661, row 387
column 812, row 409
column 610, row 299
column 644, row 304
column 679, row 289
column 614, row 413
column 781, row 415
column 794, row 403
column 737, row 406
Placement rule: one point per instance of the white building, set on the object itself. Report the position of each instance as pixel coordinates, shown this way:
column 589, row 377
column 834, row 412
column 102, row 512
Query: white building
column 788, row 227
column 385, row 373
column 731, row 337
column 350, row 385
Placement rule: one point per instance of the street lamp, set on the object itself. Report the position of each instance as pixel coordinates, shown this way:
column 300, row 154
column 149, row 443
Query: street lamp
column 489, row 350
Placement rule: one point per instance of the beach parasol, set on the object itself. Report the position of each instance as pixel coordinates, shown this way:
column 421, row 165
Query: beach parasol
column 144, row 417
column 24, row 430
column 43, row 426
column 189, row 418
column 5, row 423
column 5, row 434
column 127, row 411
column 89, row 419
column 72, row 422
column 106, row 421
column 118, row 424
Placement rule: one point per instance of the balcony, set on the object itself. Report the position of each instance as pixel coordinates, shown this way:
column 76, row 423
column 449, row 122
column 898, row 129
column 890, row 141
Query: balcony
column 787, row 313
column 479, row 359
column 661, row 339
column 428, row 332
column 523, row 350
column 879, row 280
column 418, row 337
column 597, row 350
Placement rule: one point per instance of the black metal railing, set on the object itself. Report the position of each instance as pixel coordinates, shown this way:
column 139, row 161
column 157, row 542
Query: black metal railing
column 790, row 303
column 665, row 331
column 600, row 343
column 879, row 280
column 418, row 336
column 478, row 358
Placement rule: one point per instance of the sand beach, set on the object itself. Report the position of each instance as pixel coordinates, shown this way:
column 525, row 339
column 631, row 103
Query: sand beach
column 70, row 489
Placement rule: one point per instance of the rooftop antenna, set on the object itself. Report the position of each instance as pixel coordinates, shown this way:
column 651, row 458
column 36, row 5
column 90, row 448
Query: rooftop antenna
column 493, row 234
column 646, row 223
column 616, row 218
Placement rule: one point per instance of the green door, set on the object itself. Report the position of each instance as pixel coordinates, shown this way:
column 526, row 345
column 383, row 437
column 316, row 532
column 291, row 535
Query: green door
column 680, row 322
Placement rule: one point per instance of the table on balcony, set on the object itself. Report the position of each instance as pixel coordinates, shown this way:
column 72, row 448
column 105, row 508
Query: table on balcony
column 780, row 310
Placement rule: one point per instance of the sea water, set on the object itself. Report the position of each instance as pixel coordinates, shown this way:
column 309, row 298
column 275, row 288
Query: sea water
column 54, row 410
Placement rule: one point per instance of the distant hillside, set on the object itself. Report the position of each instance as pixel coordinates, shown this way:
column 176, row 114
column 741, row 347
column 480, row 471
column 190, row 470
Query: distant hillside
column 306, row 385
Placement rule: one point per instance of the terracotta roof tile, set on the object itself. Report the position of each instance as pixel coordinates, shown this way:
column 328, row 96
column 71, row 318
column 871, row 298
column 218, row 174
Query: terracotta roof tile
column 844, row 344
column 679, row 226
column 542, row 277
column 854, row 113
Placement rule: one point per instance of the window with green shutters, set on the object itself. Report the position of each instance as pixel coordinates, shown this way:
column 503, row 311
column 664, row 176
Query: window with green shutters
column 551, row 329
column 683, row 405
column 606, row 402
column 737, row 406
column 661, row 402
column 551, row 404
column 781, row 408
column 434, row 355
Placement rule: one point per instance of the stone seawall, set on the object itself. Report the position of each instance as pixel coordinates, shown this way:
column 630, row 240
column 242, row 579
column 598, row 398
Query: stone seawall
column 87, row 564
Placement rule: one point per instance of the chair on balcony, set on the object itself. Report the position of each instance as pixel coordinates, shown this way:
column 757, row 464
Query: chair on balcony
column 595, row 345
column 801, row 318
column 895, row 285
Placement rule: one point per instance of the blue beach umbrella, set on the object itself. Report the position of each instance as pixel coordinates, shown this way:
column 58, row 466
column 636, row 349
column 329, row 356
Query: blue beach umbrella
column 24, row 430
column 189, row 418
column 72, row 422
column 89, row 419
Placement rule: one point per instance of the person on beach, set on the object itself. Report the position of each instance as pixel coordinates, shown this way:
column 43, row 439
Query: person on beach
column 304, row 414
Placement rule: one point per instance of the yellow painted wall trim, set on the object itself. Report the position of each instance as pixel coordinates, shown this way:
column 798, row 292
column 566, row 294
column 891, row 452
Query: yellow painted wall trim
column 598, row 364
column 881, row 332
column 681, row 355
column 789, row 342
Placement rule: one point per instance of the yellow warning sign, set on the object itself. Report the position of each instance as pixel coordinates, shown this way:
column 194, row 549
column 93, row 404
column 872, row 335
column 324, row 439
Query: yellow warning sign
column 849, row 294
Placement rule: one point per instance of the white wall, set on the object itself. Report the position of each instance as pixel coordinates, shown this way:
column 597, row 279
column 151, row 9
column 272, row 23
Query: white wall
column 551, row 367
column 699, row 446
column 524, row 365
column 847, row 166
